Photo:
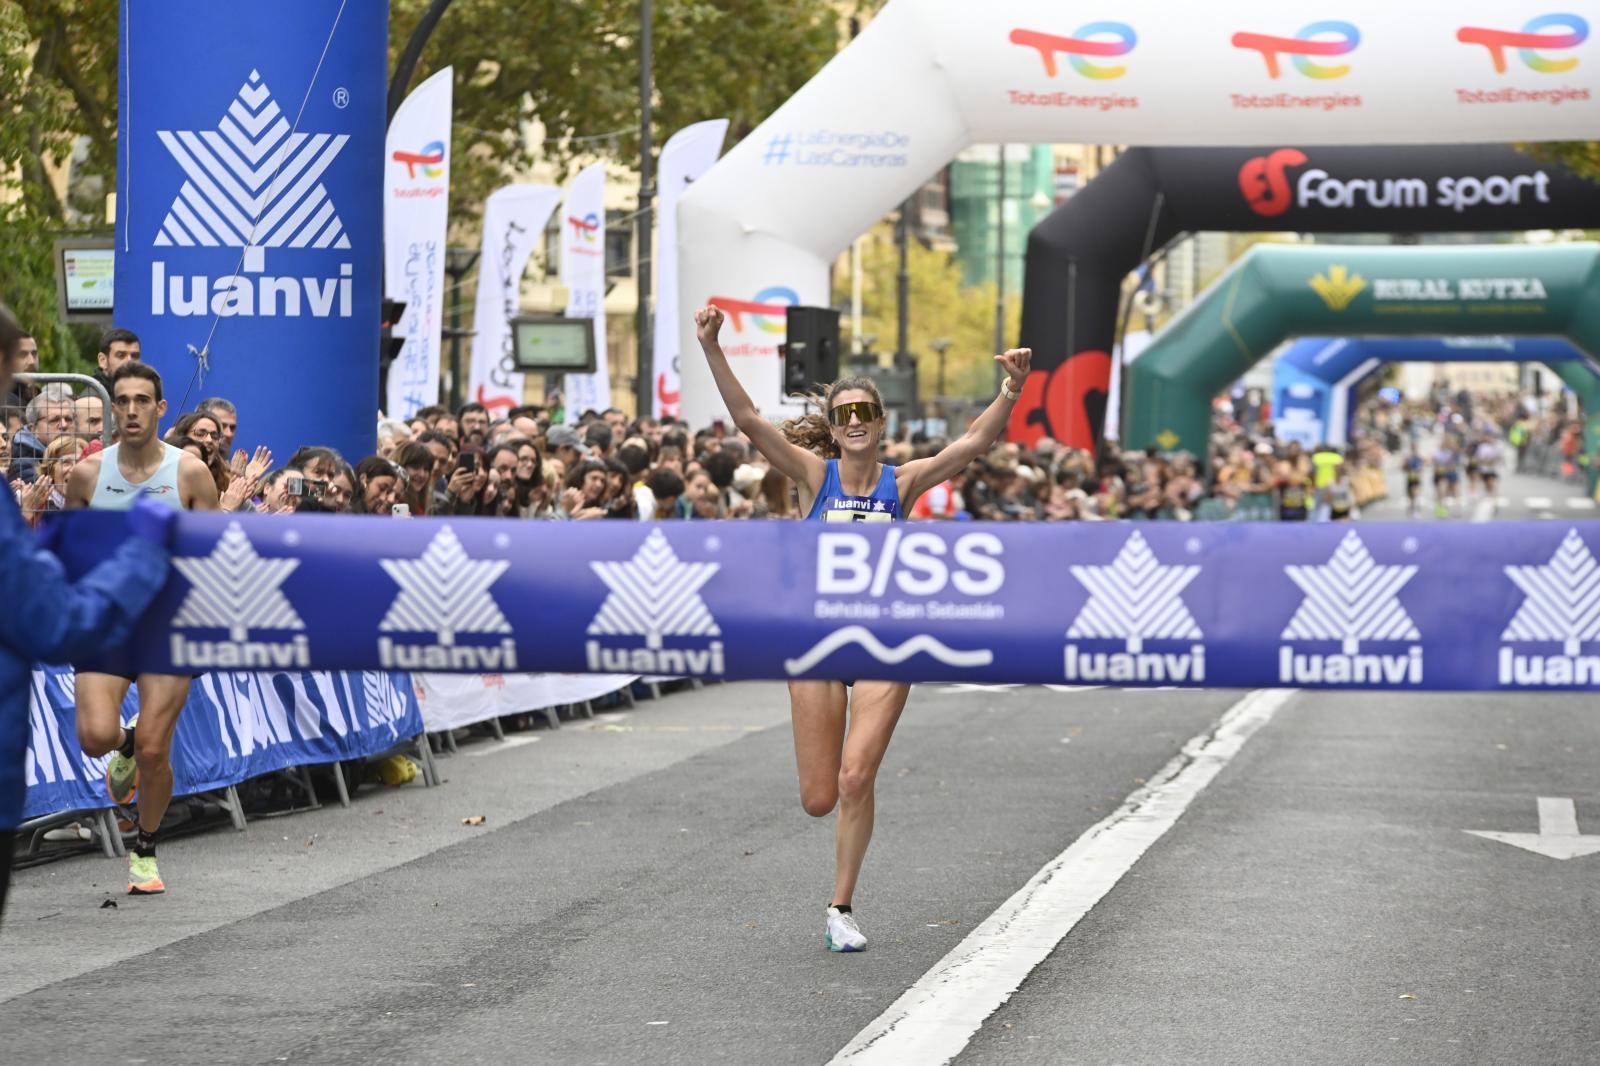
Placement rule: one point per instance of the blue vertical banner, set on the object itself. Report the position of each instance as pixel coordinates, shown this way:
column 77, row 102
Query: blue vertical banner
column 249, row 209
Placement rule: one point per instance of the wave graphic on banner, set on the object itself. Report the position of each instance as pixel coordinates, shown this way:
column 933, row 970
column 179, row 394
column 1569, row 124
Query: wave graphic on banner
column 862, row 636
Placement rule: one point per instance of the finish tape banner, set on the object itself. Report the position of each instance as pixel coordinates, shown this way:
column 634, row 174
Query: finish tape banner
column 235, row 726
column 1335, row 605
column 249, row 209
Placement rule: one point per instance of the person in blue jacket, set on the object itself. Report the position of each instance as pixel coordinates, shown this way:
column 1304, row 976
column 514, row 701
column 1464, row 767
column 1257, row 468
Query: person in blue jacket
column 45, row 617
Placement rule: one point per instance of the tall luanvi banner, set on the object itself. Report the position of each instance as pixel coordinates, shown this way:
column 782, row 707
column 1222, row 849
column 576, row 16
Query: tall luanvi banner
column 249, row 227
column 583, row 272
column 416, row 214
column 513, row 220
column 688, row 154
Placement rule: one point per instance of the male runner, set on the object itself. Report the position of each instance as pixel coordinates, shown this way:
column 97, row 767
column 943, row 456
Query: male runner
column 141, row 465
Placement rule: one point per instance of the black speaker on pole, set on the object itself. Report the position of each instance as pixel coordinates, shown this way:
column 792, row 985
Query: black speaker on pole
column 811, row 349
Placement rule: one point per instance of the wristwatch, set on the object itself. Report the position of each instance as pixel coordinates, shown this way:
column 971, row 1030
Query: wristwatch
column 1005, row 390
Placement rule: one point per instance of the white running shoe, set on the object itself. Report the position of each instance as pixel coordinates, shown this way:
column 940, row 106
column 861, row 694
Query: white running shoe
column 843, row 934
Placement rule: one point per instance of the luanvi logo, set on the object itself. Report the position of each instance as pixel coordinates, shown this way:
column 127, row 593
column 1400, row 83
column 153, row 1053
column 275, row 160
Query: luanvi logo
column 1134, row 600
column 1561, row 605
column 446, row 594
column 252, row 184
column 1348, row 600
column 655, row 596
column 236, row 590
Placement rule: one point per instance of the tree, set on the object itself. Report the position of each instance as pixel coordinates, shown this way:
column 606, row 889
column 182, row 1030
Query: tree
column 574, row 67
column 570, row 65
column 57, row 102
column 1580, row 157
column 940, row 306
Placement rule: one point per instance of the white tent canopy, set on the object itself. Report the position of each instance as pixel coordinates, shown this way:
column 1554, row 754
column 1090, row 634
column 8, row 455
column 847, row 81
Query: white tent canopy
column 927, row 78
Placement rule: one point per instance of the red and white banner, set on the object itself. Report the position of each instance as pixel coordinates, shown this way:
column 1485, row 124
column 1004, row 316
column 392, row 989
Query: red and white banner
column 513, row 222
column 451, row 701
column 583, row 272
column 688, row 154
column 416, row 212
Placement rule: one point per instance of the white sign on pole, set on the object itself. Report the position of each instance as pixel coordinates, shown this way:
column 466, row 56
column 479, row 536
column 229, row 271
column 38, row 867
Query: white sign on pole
column 513, row 220
column 583, row 272
column 416, row 212
column 688, row 154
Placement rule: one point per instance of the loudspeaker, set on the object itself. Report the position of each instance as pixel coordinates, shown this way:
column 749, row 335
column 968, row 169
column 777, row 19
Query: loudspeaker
column 811, row 350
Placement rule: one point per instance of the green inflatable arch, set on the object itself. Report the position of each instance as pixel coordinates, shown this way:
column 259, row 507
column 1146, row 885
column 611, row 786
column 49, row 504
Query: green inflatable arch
column 1280, row 291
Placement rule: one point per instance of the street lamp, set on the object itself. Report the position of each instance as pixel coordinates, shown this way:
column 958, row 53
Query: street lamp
column 940, row 345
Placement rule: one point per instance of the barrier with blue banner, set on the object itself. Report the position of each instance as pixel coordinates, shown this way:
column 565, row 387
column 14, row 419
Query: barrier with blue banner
column 235, row 726
column 1396, row 605
column 249, row 208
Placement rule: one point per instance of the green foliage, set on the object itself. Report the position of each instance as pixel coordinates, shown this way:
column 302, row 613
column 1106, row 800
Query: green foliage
column 1580, row 157
column 57, row 95
column 575, row 68
column 940, row 307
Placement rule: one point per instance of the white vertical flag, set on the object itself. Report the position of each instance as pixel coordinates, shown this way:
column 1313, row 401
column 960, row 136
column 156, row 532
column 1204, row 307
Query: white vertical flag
column 513, row 222
column 583, row 272
column 416, row 212
column 688, row 154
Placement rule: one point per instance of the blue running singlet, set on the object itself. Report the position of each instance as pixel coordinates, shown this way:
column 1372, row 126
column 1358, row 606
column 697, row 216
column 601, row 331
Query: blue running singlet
column 832, row 505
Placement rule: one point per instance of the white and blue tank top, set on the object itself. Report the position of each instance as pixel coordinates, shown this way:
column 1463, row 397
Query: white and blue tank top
column 834, row 505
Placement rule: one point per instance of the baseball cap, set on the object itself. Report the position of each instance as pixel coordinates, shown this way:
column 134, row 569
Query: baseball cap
column 565, row 437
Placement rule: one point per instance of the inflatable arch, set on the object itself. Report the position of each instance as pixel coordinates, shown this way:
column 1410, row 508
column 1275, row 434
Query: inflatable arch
column 1280, row 291
column 1315, row 379
column 927, row 78
column 1079, row 254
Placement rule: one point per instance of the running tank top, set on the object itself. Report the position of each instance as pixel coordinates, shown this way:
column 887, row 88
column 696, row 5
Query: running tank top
column 113, row 492
column 833, row 505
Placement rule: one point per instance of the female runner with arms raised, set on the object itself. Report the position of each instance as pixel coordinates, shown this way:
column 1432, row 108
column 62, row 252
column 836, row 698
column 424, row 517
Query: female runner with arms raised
column 833, row 459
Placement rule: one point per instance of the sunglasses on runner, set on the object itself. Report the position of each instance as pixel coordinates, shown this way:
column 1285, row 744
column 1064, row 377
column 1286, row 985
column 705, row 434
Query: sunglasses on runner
column 865, row 410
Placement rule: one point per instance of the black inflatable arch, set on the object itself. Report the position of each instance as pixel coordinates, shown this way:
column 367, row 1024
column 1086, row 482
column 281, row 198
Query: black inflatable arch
column 1079, row 254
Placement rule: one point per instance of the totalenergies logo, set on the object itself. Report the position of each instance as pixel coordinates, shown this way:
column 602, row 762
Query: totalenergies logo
column 1048, row 45
column 430, row 161
column 585, row 229
column 1529, row 41
column 769, row 304
column 1303, row 45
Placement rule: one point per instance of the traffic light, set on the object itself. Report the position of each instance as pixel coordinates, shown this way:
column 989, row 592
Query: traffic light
column 811, row 349
column 390, row 345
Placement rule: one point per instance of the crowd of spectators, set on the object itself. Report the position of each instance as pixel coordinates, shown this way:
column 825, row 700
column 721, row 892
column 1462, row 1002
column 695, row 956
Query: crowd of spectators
column 529, row 462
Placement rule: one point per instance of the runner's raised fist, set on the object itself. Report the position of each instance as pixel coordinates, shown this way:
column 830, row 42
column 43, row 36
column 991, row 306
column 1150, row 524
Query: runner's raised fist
column 1016, row 362
column 708, row 323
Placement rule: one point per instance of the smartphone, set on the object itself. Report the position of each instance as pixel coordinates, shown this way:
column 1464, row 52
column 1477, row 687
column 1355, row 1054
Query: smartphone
column 467, row 461
column 294, row 485
column 401, row 510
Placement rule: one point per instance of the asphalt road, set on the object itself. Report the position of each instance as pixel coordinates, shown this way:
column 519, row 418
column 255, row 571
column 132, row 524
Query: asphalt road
column 647, row 889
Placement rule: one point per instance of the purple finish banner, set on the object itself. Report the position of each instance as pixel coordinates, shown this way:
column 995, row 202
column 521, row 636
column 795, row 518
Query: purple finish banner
column 1336, row 605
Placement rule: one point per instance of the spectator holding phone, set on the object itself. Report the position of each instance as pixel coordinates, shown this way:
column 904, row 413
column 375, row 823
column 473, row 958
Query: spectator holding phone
column 376, row 481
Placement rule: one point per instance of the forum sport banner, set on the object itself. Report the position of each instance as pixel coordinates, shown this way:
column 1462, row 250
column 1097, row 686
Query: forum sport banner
column 249, row 227
column 416, row 215
column 1338, row 605
column 583, row 272
column 688, row 154
column 513, row 221
column 235, row 726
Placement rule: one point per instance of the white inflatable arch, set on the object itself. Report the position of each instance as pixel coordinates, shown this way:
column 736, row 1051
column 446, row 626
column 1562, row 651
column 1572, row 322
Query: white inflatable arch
column 929, row 77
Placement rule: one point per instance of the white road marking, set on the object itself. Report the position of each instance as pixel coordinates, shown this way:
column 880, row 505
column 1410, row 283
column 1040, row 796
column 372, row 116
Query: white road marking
column 502, row 745
column 1580, row 503
column 1558, row 835
column 934, row 1019
column 1538, row 503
